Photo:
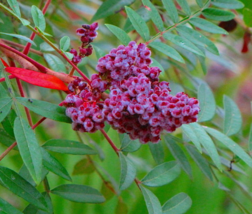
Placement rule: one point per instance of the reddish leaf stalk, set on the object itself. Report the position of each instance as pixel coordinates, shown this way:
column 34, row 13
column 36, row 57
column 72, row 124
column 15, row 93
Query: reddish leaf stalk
column 36, row 64
column 15, row 143
column 28, row 45
column 10, row 77
column 110, row 141
column 64, row 77
column 21, row 90
column 14, row 44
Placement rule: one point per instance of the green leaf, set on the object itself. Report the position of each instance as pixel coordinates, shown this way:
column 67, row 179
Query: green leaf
column 235, row 148
column 206, row 102
column 138, row 23
column 55, row 62
column 106, row 191
column 31, row 209
column 19, row 37
column 110, row 7
column 247, row 16
column 98, row 52
column 20, row 187
column 162, row 174
column 46, row 47
column 121, row 208
column 29, row 148
column 203, row 65
column 155, row 63
column 128, row 172
column 84, row 166
column 5, row 207
column 5, row 138
column 230, row 4
column 8, row 122
column 68, row 147
column 218, row 14
column 171, row 10
column 249, row 140
column 142, row 12
column 45, row 109
column 53, row 165
column 188, row 131
column 128, row 145
column 178, row 204
column 5, row 107
column 197, row 38
column 207, row 26
column 157, row 152
column 15, row 7
column 154, row 14
column 3, row 92
column 152, row 202
column 119, row 33
column 185, row 6
column 64, row 43
column 180, row 156
column 207, row 143
column 200, row 161
column 184, row 43
column 167, row 50
column 200, row 3
column 24, row 21
column 232, row 118
column 78, row 193
column 38, row 17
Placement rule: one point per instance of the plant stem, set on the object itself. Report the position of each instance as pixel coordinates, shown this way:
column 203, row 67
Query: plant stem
column 14, row 44
column 10, row 77
column 28, row 45
column 110, row 141
column 6, row 9
column 46, row 185
column 39, row 66
column 183, row 21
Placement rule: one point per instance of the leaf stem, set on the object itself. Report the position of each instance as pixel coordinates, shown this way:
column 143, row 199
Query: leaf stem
column 49, row 42
column 28, row 45
column 110, row 141
column 183, row 21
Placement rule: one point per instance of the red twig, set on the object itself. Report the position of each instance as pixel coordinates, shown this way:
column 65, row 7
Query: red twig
column 28, row 45
column 110, row 141
column 10, row 77
column 39, row 66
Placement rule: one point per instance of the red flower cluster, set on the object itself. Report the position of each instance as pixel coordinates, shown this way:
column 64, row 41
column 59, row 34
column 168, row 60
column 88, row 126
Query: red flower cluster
column 88, row 34
column 138, row 104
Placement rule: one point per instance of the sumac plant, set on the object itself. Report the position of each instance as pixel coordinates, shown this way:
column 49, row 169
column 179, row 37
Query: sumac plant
column 124, row 106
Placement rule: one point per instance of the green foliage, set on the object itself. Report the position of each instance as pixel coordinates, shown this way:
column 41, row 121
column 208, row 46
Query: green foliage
column 78, row 193
column 212, row 153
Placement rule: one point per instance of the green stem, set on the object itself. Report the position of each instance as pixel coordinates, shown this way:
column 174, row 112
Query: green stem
column 183, row 21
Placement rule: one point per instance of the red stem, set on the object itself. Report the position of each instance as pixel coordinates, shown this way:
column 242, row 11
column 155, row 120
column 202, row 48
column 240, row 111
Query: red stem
column 10, row 77
column 110, row 141
column 28, row 45
column 39, row 66
column 21, row 91
column 20, row 88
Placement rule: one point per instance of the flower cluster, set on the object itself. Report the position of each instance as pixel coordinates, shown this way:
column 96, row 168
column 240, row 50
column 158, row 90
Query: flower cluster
column 84, row 109
column 88, row 34
column 137, row 104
